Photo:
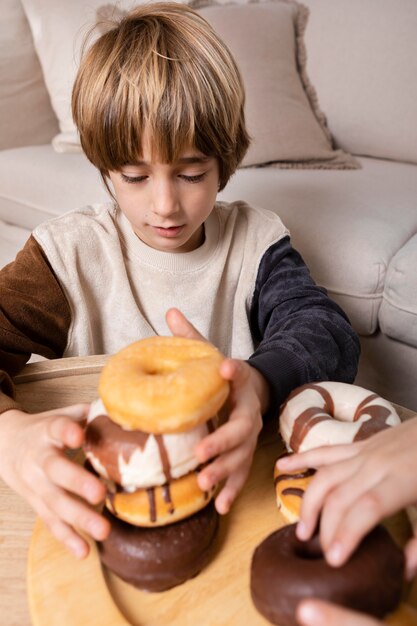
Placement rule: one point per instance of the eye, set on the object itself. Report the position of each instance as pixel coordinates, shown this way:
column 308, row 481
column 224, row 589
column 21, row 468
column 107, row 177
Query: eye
column 193, row 179
column 133, row 179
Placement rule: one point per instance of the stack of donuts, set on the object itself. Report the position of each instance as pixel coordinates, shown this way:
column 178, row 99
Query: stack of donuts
column 286, row 570
column 157, row 399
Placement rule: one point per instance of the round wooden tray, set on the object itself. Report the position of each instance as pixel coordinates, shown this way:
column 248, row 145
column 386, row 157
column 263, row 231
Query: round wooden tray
column 68, row 592
column 65, row 591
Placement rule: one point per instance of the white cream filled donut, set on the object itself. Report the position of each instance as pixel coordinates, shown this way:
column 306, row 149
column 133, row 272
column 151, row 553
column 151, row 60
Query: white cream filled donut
column 331, row 413
column 134, row 459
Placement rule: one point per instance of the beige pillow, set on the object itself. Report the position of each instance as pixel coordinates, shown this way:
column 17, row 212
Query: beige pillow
column 282, row 113
column 26, row 116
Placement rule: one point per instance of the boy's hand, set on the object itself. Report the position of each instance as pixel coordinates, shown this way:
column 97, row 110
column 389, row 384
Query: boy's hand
column 235, row 441
column 33, row 463
column 356, row 486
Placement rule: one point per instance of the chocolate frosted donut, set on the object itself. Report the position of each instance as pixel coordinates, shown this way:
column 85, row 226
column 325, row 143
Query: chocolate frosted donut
column 286, row 570
column 156, row 559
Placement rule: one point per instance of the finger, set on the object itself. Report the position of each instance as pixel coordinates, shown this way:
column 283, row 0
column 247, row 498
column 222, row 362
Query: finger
column 320, row 613
column 224, row 466
column 62, row 531
column 227, row 437
column 231, row 490
column 323, row 483
column 71, row 539
column 65, row 432
column 350, row 516
column 411, row 559
column 181, row 327
column 77, row 412
column 317, row 457
column 74, row 478
column 235, row 370
column 76, row 514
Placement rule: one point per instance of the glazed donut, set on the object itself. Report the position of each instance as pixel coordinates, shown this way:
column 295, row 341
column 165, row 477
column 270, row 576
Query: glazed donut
column 156, row 559
column 289, row 490
column 158, row 506
column 319, row 414
column 136, row 460
column 138, row 384
column 285, row 570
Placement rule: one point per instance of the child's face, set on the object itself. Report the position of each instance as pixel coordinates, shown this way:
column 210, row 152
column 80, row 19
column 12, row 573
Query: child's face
column 167, row 204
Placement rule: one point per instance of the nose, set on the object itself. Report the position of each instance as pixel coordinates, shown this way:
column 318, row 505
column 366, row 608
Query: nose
column 165, row 200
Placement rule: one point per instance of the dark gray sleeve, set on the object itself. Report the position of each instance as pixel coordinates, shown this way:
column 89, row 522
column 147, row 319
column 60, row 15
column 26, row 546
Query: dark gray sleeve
column 301, row 334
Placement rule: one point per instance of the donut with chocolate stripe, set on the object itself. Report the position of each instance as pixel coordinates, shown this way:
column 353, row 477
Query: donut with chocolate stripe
column 159, row 505
column 329, row 413
column 289, row 490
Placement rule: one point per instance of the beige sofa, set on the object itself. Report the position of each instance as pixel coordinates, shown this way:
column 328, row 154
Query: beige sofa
column 356, row 228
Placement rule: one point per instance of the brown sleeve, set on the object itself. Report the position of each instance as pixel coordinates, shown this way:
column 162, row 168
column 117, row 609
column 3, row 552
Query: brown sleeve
column 34, row 315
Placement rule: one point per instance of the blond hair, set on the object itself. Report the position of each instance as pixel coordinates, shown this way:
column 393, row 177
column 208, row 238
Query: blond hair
column 162, row 68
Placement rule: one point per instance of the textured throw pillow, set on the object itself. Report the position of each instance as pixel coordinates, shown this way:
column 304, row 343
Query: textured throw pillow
column 266, row 39
column 26, row 116
column 282, row 111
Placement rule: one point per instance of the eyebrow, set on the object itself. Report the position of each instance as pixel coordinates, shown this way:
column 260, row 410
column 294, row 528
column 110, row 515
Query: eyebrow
column 182, row 161
column 194, row 159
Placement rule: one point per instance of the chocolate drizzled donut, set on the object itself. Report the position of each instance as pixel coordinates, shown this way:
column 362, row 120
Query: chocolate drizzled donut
column 107, row 442
column 135, row 459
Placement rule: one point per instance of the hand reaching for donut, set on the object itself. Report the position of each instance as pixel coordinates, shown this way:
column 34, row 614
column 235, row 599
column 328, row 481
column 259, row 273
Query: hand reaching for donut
column 33, row 463
column 233, row 444
column 355, row 487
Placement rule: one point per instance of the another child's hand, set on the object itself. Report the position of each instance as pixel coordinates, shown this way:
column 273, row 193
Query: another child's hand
column 320, row 613
column 33, row 463
column 233, row 444
column 356, row 487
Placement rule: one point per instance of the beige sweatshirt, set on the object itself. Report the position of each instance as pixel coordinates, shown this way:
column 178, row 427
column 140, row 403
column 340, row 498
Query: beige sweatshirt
column 119, row 289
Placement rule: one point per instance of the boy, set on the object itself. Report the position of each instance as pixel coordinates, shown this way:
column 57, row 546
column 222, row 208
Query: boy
column 158, row 102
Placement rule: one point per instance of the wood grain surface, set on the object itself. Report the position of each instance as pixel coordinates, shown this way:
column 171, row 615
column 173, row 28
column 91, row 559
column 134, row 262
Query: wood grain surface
column 60, row 586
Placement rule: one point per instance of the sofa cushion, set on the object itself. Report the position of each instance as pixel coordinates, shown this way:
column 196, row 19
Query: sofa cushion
column 342, row 223
column 266, row 39
column 51, row 185
column 349, row 213
column 362, row 59
column 389, row 368
column 398, row 312
column 26, row 115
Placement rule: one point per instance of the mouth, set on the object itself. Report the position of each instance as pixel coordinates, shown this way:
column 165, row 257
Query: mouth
column 170, row 231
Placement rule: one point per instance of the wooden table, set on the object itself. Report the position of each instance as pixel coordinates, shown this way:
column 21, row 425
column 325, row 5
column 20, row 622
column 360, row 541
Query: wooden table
column 42, row 386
